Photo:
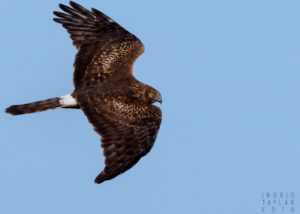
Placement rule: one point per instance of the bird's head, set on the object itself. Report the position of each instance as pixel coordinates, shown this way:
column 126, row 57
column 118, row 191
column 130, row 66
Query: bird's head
column 153, row 96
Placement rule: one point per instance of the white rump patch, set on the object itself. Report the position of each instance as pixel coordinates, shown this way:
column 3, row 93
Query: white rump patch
column 67, row 100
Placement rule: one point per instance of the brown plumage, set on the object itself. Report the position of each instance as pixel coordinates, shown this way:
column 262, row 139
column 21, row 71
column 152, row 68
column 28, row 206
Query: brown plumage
column 118, row 106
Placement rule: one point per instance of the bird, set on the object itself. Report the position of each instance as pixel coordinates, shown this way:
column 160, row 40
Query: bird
column 121, row 109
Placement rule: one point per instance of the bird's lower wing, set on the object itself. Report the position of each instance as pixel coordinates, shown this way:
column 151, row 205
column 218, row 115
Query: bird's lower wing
column 124, row 139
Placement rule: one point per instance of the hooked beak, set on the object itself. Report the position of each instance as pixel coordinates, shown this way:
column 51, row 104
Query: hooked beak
column 158, row 98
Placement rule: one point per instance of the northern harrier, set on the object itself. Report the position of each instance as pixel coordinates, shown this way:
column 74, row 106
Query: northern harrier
column 118, row 106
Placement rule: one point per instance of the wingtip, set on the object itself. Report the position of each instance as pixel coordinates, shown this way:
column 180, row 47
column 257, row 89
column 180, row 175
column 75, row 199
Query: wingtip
column 76, row 5
column 61, row 6
column 72, row 3
column 66, row 8
column 98, row 181
column 57, row 20
column 100, row 178
column 56, row 13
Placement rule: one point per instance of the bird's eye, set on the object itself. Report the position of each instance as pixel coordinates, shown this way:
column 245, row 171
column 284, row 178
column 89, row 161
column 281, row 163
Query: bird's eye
column 151, row 93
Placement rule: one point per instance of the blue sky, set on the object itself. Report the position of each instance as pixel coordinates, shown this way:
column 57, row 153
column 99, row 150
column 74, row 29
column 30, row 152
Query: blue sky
column 228, row 72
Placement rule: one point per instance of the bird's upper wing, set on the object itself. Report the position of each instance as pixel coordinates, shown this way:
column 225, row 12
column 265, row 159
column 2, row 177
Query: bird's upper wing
column 104, row 47
column 127, row 131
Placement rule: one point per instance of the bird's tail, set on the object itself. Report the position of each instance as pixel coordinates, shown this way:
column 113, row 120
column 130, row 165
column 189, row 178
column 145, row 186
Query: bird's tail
column 58, row 102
